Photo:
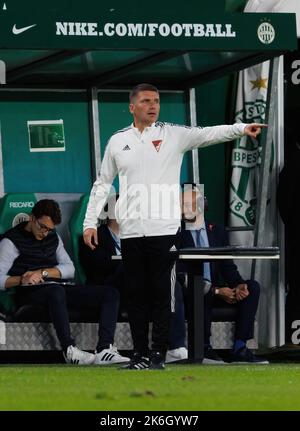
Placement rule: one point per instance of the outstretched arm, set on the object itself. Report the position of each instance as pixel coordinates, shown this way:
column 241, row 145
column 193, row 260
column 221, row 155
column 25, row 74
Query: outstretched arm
column 197, row 137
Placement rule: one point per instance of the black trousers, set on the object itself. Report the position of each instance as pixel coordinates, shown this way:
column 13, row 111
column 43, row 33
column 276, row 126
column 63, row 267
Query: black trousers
column 246, row 311
column 149, row 265
column 58, row 299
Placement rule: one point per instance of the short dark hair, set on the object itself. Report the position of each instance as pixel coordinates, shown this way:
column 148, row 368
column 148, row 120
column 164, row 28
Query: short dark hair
column 47, row 207
column 141, row 87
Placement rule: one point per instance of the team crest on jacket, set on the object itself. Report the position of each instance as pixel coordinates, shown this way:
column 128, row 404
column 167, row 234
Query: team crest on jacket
column 157, row 144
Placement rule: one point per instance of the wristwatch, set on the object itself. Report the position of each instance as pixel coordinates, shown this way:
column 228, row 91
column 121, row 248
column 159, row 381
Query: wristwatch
column 216, row 291
column 45, row 273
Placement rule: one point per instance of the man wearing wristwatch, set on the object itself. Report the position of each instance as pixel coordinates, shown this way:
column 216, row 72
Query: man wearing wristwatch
column 227, row 287
column 45, row 274
column 34, row 261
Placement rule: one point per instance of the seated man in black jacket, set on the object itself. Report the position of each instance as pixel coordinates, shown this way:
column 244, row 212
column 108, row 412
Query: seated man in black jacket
column 32, row 256
column 228, row 288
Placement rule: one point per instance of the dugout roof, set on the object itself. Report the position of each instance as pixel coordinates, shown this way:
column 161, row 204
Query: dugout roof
column 106, row 44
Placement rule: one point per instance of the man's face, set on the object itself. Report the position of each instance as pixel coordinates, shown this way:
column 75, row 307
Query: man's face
column 145, row 107
column 41, row 227
column 191, row 205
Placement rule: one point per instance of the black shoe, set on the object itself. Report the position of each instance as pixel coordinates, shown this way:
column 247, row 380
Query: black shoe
column 157, row 361
column 211, row 357
column 137, row 362
column 245, row 356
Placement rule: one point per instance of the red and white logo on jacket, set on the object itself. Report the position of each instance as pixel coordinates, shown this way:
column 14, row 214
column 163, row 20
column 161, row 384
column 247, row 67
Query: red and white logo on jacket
column 157, row 144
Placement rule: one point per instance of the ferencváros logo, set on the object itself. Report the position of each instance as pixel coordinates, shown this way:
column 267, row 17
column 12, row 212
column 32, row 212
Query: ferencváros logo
column 19, row 218
column 266, row 33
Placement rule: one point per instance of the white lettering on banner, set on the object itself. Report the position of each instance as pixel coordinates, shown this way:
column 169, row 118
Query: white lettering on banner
column 108, row 29
column 295, row 75
column 72, row 25
column 144, row 30
column 296, row 334
column 29, row 204
column 198, row 30
column 152, row 29
column 2, row 332
column 121, row 30
column 252, row 111
column 176, row 30
column 135, row 30
column 80, row 29
column 2, row 72
column 76, row 28
column 187, row 29
column 246, row 158
column 92, row 29
column 164, row 30
column 229, row 32
column 219, row 32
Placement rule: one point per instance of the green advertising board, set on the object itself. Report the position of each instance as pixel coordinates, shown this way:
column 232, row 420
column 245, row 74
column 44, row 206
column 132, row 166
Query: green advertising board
column 127, row 26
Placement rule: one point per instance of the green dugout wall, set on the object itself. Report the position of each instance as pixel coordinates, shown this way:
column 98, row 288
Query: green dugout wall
column 66, row 171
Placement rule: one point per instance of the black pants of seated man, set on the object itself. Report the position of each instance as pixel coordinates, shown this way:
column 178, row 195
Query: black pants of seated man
column 246, row 311
column 149, row 264
column 58, row 299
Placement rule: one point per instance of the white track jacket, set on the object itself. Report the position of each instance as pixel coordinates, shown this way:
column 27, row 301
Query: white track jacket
column 148, row 165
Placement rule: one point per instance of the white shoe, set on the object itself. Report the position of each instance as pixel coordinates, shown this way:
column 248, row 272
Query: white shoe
column 78, row 357
column 109, row 356
column 208, row 361
column 176, row 355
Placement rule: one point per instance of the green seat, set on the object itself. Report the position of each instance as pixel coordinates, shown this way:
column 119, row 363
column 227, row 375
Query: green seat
column 75, row 227
column 14, row 208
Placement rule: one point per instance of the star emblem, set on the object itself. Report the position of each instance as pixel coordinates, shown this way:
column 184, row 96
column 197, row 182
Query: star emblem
column 259, row 83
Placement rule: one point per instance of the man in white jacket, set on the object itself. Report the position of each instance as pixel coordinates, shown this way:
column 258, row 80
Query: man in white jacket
column 147, row 156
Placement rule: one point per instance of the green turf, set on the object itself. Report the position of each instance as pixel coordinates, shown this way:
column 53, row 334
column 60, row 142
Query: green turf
column 181, row 387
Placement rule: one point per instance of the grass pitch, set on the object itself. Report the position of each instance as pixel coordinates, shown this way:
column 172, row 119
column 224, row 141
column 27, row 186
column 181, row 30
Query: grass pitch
column 179, row 387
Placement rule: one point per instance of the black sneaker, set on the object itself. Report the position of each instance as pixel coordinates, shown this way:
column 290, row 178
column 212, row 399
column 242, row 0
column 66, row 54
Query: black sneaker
column 137, row 362
column 211, row 357
column 245, row 356
column 157, row 361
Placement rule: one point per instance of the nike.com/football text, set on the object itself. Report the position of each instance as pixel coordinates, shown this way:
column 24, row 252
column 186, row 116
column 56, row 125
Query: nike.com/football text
column 120, row 29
